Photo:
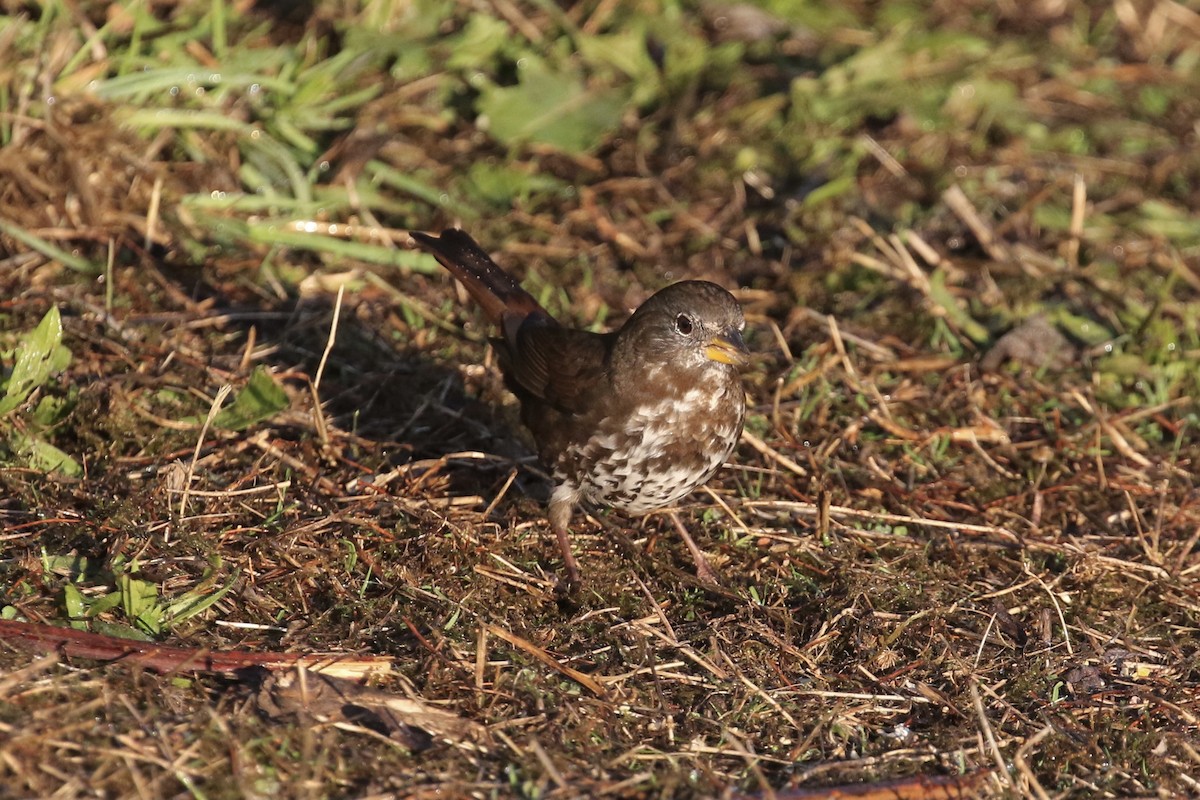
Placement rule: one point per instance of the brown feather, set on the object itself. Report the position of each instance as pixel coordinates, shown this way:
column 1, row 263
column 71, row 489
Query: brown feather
column 561, row 366
column 502, row 299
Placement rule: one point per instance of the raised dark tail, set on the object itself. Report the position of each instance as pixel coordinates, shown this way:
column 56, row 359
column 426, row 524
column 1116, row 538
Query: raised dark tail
column 502, row 299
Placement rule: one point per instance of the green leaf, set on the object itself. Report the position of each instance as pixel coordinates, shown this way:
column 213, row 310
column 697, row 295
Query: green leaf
column 137, row 596
column 74, row 602
column 103, row 603
column 261, row 399
column 482, row 39
column 120, row 630
column 195, row 602
column 553, row 108
column 1169, row 221
column 831, row 189
column 939, row 294
column 40, row 455
column 499, row 184
column 279, row 234
column 51, row 410
column 39, row 354
column 72, row 566
column 139, row 601
column 49, row 250
column 415, row 185
column 626, row 51
column 1088, row 331
column 150, row 621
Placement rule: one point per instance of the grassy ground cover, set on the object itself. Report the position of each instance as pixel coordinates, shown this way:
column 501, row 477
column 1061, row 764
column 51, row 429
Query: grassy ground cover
column 960, row 542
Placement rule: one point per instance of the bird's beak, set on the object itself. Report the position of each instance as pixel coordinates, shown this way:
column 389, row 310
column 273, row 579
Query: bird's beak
column 727, row 348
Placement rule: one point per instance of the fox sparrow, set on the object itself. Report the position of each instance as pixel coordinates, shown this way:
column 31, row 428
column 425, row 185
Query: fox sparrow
column 634, row 419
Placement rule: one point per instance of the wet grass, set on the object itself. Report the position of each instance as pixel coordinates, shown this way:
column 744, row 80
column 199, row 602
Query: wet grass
column 958, row 545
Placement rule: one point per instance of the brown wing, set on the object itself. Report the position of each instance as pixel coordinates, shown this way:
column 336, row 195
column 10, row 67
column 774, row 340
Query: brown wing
column 560, row 366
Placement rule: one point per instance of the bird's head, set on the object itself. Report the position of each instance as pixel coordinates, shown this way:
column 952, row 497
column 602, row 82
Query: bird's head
column 694, row 326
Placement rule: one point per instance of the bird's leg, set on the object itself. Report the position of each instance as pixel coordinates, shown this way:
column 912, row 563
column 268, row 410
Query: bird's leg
column 703, row 571
column 562, row 503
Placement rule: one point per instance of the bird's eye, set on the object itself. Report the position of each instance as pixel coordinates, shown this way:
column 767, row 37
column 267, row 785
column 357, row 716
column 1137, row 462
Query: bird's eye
column 684, row 325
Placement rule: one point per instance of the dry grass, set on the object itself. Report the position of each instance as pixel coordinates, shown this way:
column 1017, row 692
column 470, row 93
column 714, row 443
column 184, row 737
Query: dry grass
column 941, row 573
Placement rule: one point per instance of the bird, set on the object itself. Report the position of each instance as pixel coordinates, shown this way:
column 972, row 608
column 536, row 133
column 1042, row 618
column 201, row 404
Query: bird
column 633, row 419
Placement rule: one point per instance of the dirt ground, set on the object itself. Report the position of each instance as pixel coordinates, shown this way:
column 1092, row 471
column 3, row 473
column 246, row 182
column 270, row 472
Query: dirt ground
column 958, row 545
